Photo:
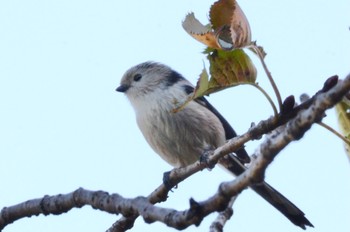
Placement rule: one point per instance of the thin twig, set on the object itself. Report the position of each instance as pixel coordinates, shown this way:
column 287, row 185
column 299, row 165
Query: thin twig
column 336, row 133
column 220, row 221
column 268, row 73
column 267, row 97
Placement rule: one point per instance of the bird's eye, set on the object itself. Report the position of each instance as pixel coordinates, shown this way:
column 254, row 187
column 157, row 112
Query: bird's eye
column 137, row 77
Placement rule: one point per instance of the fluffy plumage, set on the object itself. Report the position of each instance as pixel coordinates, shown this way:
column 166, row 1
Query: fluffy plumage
column 181, row 138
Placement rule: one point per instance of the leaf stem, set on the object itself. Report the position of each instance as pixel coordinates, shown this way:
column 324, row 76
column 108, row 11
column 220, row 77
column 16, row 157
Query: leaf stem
column 336, row 133
column 267, row 97
column 268, row 73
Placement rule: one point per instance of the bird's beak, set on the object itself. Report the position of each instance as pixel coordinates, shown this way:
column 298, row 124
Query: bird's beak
column 122, row 88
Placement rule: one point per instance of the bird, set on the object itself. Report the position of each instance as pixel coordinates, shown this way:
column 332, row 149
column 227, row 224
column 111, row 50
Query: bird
column 180, row 138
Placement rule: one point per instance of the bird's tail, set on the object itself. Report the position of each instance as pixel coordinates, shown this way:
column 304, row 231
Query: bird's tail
column 280, row 202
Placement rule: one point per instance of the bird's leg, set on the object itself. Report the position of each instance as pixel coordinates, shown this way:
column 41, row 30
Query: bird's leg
column 205, row 157
column 167, row 181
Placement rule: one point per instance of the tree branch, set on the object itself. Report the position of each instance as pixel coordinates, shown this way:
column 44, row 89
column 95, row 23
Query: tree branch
column 223, row 217
column 299, row 119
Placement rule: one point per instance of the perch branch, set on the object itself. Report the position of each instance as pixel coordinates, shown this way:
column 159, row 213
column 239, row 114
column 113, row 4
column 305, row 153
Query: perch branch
column 299, row 119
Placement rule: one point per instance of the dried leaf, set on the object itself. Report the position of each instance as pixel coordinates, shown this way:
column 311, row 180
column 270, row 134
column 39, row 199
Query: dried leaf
column 197, row 30
column 229, row 65
column 221, row 13
column 231, row 26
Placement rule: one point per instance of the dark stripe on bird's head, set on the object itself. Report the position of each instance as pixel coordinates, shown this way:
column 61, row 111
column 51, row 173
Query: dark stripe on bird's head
column 173, row 78
column 188, row 89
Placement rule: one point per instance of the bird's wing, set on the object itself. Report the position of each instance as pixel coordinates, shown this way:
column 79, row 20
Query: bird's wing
column 235, row 164
column 229, row 131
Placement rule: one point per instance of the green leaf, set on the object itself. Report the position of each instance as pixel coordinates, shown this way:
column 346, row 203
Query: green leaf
column 343, row 112
column 227, row 69
column 202, row 84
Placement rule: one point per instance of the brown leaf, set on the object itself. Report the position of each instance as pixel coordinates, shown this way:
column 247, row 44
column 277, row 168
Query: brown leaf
column 197, row 30
column 231, row 26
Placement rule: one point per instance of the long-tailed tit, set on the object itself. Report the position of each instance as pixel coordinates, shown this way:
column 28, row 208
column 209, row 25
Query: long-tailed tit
column 181, row 138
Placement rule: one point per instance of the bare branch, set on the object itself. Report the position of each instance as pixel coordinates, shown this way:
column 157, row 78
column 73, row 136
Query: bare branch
column 223, row 217
column 301, row 121
column 267, row 125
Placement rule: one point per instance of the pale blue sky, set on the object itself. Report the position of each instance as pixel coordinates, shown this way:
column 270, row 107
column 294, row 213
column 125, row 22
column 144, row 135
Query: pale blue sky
column 63, row 126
